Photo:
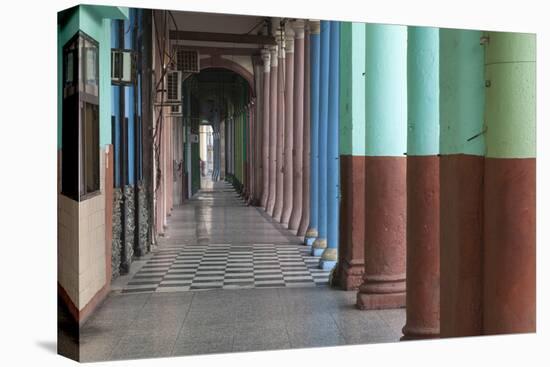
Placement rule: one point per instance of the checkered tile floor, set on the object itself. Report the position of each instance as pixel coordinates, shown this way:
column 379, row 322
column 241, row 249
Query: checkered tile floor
column 228, row 266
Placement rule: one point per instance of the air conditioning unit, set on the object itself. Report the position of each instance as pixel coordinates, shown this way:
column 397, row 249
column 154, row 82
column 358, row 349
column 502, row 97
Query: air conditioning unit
column 173, row 87
column 187, row 60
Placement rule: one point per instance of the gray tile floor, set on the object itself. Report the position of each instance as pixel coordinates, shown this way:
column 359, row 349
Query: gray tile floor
column 147, row 325
column 155, row 324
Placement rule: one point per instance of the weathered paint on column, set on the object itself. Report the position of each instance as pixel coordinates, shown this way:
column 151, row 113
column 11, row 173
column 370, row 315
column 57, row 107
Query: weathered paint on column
column 306, row 170
column 509, row 262
column 462, row 146
column 298, row 127
column 320, row 242
column 279, row 161
column 273, row 94
column 266, row 105
column 422, row 184
column 315, row 56
column 288, row 129
column 351, row 262
column 385, row 166
column 330, row 254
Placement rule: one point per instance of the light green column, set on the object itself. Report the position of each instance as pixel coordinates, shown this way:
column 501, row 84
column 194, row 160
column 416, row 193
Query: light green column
column 510, row 112
column 423, row 91
column 462, row 92
column 352, row 89
column 386, row 85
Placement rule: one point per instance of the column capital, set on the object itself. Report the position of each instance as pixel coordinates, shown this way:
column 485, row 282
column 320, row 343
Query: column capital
column 266, row 58
column 274, row 51
column 280, row 38
column 299, row 26
column 314, row 26
column 289, row 38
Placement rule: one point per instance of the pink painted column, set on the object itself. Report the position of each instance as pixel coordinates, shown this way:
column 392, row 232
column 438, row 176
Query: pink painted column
column 289, row 126
column 256, row 139
column 248, row 161
column 266, row 58
column 273, row 94
column 250, row 152
column 278, row 208
column 304, row 220
column 298, row 126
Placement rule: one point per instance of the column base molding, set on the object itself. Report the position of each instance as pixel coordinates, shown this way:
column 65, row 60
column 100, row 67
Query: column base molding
column 327, row 264
column 367, row 301
column 319, row 246
column 418, row 333
column 350, row 275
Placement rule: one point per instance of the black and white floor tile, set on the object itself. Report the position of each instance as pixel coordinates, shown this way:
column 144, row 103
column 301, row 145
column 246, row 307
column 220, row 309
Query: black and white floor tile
column 228, row 266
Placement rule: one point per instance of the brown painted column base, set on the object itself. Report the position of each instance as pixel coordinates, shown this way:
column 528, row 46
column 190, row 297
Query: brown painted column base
column 509, row 282
column 419, row 334
column 379, row 301
column 351, row 263
column 461, row 244
column 422, row 248
column 350, row 274
column 385, row 220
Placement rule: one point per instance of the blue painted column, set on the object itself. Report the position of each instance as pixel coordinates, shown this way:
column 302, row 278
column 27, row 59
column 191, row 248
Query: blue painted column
column 320, row 243
column 315, row 42
column 129, row 102
column 330, row 254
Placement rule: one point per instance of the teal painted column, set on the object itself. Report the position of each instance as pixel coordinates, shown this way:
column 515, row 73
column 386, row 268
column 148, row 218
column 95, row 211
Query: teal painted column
column 320, row 242
column 330, row 254
column 462, row 149
column 315, row 55
column 351, row 264
column 422, row 184
column 385, row 167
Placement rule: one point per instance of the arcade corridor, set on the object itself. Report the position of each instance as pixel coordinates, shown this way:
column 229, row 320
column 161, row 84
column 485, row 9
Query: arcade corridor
column 317, row 180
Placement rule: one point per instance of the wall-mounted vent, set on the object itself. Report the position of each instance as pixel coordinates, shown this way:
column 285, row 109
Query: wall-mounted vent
column 187, row 60
column 173, row 86
column 176, row 110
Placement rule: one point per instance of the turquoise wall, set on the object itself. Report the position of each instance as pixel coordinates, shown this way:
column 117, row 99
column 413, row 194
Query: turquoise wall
column 423, row 91
column 462, row 92
column 95, row 22
column 386, row 90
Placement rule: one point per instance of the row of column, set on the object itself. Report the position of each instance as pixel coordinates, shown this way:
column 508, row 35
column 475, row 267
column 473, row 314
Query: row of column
column 284, row 129
column 416, row 119
column 239, row 148
column 300, row 193
column 434, row 119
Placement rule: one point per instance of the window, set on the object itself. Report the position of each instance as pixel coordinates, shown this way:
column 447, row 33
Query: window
column 80, row 118
column 123, row 66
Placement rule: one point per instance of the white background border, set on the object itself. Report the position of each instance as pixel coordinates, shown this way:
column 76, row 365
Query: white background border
column 28, row 180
